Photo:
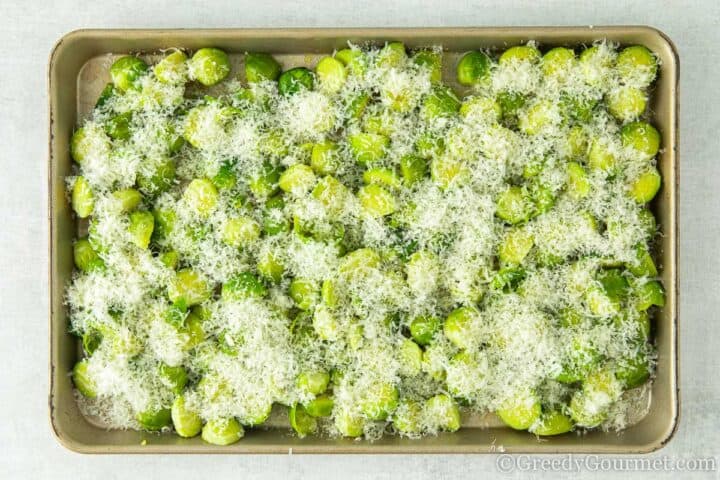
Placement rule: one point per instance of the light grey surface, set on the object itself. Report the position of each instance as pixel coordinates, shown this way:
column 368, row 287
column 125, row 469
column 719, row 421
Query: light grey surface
column 29, row 29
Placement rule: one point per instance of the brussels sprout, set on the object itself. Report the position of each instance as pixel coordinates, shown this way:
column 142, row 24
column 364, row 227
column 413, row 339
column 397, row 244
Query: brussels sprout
column 392, row 55
column 127, row 199
column 240, row 231
column 447, row 171
column 201, row 196
column 513, row 206
column 314, row 383
column 649, row 294
column 407, row 417
column 126, row 71
column 521, row 53
column 298, row 179
column 472, row 68
column 595, row 64
column 507, row 279
column 83, row 381
column 301, row 421
column 305, row 293
column 324, row 158
column 443, row 412
column 260, row 67
column 536, row 118
column 82, row 198
column 645, row 187
column 601, row 157
column 225, row 179
column 154, row 420
column 432, row 61
column 600, row 303
column 578, row 184
column 265, row 183
column 107, row 93
column 187, row 423
column 627, row 103
column 170, row 259
column 422, row 271
column 159, row 181
column 320, row 406
column 164, row 222
column 88, row 141
column 636, row 66
column 86, row 258
column 424, row 328
column 521, row 412
column 91, row 340
column 410, row 356
column 173, row 69
column 458, row 326
column 332, row 194
column 429, row 146
column 243, row 285
column 175, row 378
column 376, row 201
column 269, row 266
column 222, row 431
column 325, row 324
column 483, row 109
column 358, row 260
column 558, row 62
column 614, row 282
column 633, row 372
column 589, row 406
column 642, row 137
column 578, row 108
column 349, row 424
column 381, row 176
column 352, row 59
column 510, row 105
column 644, row 265
column 368, row 148
column 581, row 359
column 552, row 423
column 118, row 127
column 413, row 168
column 141, row 228
column 516, row 246
column 188, row 287
column 379, row 400
column 295, row 80
column 209, row 66
column 331, row 74
column 441, row 102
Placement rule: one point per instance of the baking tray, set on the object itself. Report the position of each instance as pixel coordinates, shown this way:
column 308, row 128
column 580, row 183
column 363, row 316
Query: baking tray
column 78, row 71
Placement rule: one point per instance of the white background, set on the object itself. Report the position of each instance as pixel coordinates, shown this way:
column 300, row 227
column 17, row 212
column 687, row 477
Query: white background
column 28, row 31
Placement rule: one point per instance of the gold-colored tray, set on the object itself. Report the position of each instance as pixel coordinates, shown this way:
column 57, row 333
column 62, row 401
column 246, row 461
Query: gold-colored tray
column 77, row 73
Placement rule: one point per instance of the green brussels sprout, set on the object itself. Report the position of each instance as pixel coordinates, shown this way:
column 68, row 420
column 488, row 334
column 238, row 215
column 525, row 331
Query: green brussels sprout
column 243, row 285
column 82, row 198
column 441, row 102
column 582, row 358
column 301, row 421
column 225, row 179
column 368, row 148
column 141, row 228
column 633, row 372
column 642, row 137
column 431, row 60
column 172, row 69
column 118, row 127
column 376, row 201
column 349, row 424
column 331, row 74
column 170, row 259
column 589, row 406
column 649, row 294
column 644, row 265
column 413, row 168
column 154, row 420
column 595, row 65
column 201, row 196
column 458, row 326
column 86, row 258
column 410, row 356
column 392, row 55
column 159, row 181
column 269, row 266
column 520, row 412
column 381, row 176
column 600, row 303
column 507, row 279
column 128, row 199
column 627, row 103
column 325, row 324
column 209, row 66
column 265, row 183
column 295, row 80
column 520, row 53
column 298, row 179
column 636, row 66
column 516, row 246
column 305, row 293
column 481, row 109
column 82, row 380
column 314, row 383
column 552, row 423
column 352, row 59
column 536, row 118
column 107, row 93
column 164, row 222
column 472, row 68
column 224, row 431
column 578, row 184
column 424, row 328
column 447, row 171
column 187, row 423
column 646, row 186
column 87, row 141
column 320, row 406
column 601, row 157
column 444, row 412
column 126, row 71
column 324, row 158
column 614, row 282
column 91, row 340
column 510, row 105
column 260, row 67
column 175, row 378
column 557, row 63
column 379, row 400
column 407, row 417
column 513, row 206
column 188, row 287
column 240, row 231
